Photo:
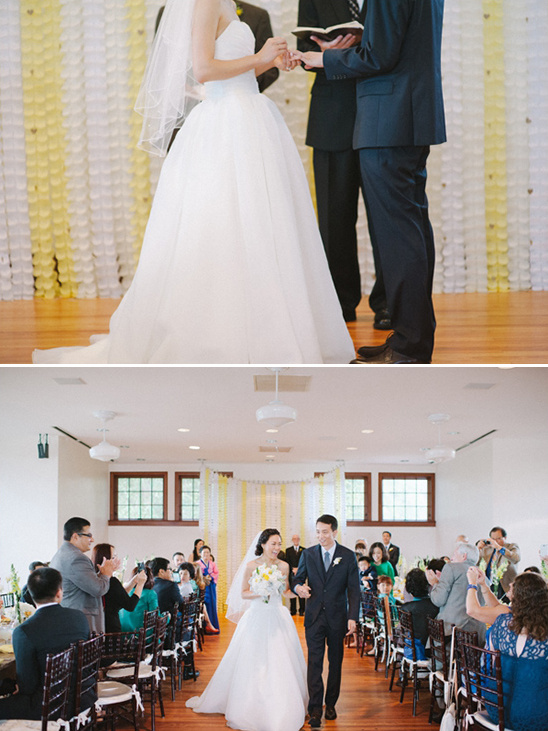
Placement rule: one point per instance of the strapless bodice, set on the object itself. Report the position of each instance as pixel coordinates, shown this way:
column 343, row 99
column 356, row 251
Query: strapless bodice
column 237, row 40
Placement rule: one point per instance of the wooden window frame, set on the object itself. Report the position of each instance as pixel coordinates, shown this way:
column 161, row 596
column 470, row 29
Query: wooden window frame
column 178, row 504
column 431, row 506
column 366, row 497
column 114, row 501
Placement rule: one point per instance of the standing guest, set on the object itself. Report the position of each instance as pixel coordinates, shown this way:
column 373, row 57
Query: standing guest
column 360, row 548
column 392, row 550
column 164, row 586
column 131, row 621
column 83, row 584
column 117, row 597
column 211, row 576
column 198, row 543
column 449, row 591
column 201, row 586
column 368, row 574
column 187, row 573
column 25, row 593
column 522, row 638
column 293, row 556
column 379, row 559
column 331, row 121
column 492, row 607
column 420, row 606
column 51, row 629
column 497, row 552
column 399, row 115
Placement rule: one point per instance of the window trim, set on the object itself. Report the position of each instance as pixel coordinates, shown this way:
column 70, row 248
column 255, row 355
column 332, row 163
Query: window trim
column 114, row 520
column 431, row 479
column 367, row 498
column 178, row 503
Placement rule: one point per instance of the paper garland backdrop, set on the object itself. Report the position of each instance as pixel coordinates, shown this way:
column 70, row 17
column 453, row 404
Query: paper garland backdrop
column 75, row 192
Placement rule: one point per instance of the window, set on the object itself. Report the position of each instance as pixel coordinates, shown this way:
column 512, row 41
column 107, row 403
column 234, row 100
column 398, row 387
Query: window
column 187, row 496
column 138, row 498
column 358, row 498
column 406, row 498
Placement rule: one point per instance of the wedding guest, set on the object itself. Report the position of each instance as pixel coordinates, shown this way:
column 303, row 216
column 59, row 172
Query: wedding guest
column 117, row 597
column 379, row 559
column 164, row 586
column 292, row 556
column 449, row 591
column 368, row 574
column 492, row 607
column 51, row 629
column 420, row 606
column 148, row 602
column 392, row 550
column 83, row 585
column 25, row 593
column 385, row 586
column 211, row 576
column 198, row 543
column 532, row 569
column 496, row 553
column 522, row 638
column 201, row 586
column 436, row 565
column 187, row 572
column 360, row 548
column 177, row 559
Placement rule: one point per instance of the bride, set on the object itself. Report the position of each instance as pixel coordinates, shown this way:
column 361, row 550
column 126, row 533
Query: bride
column 260, row 684
column 232, row 267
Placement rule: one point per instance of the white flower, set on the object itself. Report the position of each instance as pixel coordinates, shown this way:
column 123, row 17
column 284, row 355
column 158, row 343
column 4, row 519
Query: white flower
column 266, row 580
column 337, row 560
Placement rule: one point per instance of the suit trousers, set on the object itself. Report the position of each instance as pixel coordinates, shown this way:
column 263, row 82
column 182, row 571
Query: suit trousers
column 394, row 185
column 293, row 604
column 337, row 180
column 317, row 635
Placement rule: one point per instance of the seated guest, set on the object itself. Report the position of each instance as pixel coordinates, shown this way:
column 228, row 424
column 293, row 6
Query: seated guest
column 522, row 638
column 436, row 565
column 116, row 597
column 187, row 573
column 51, row 629
column 420, row 607
column 368, row 574
column 166, row 590
column 385, row 586
column 360, row 548
column 493, row 607
column 25, row 593
column 379, row 559
column 450, row 588
column 130, row 621
column 532, row 569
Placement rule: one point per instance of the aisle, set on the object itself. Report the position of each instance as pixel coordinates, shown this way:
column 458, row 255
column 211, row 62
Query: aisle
column 365, row 703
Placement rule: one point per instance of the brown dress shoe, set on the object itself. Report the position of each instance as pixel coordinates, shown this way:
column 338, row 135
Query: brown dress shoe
column 387, row 357
column 366, row 351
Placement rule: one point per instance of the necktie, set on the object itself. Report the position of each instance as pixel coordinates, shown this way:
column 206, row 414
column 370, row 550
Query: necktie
column 326, row 561
column 354, row 9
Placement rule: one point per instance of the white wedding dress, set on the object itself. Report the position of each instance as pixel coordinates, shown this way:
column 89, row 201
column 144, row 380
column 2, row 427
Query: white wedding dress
column 260, row 684
column 232, row 268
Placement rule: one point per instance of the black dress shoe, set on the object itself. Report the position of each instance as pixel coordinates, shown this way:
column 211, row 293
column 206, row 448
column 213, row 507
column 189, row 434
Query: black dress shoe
column 315, row 720
column 382, row 320
column 387, row 357
column 367, row 351
column 330, row 713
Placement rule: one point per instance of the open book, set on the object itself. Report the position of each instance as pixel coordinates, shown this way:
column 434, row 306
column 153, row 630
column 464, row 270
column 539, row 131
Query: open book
column 329, row 34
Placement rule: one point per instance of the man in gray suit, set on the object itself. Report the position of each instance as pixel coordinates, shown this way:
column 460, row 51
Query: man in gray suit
column 497, row 552
column 450, row 589
column 83, row 587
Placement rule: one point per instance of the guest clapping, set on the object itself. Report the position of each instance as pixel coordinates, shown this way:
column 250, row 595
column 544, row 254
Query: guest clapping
column 117, row 597
column 132, row 620
column 477, row 585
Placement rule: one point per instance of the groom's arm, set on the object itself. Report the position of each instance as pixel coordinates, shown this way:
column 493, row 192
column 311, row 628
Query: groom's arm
column 353, row 592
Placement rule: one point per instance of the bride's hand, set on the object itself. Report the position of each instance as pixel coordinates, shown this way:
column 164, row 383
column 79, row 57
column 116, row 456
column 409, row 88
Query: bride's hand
column 286, row 62
column 271, row 50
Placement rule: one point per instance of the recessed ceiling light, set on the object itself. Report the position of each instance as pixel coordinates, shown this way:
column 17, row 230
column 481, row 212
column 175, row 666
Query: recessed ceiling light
column 194, row 447
column 352, row 448
column 272, row 431
column 367, row 431
column 183, row 429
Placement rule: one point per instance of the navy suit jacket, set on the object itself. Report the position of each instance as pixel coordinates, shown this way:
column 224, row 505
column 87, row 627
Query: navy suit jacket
column 337, row 591
column 168, row 594
column 50, row 630
column 398, row 72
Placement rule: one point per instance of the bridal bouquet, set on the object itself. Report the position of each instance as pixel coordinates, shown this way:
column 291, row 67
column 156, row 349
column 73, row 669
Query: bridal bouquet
column 267, row 580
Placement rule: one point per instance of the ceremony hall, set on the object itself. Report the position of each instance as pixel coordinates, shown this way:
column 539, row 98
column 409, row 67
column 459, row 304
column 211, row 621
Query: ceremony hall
column 155, row 458
column 76, row 191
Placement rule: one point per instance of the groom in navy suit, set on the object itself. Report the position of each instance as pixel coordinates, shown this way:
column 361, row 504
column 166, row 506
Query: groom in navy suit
column 399, row 115
column 332, row 610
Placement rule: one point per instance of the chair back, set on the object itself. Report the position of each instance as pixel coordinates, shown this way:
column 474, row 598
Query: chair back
column 126, row 650
column 483, row 678
column 189, row 617
column 407, row 633
column 436, row 634
column 149, row 625
column 159, row 639
column 8, row 600
column 57, row 686
column 367, row 601
column 460, row 636
column 171, row 637
column 88, row 659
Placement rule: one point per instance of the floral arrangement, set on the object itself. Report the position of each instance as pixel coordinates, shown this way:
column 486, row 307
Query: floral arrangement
column 544, row 568
column 14, row 581
column 497, row 572
column 119, row 573
column 266, row 581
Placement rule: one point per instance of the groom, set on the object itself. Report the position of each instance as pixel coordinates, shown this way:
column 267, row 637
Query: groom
column 332, row 610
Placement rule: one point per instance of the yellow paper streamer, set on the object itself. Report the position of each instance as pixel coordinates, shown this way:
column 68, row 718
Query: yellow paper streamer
column 222, row 546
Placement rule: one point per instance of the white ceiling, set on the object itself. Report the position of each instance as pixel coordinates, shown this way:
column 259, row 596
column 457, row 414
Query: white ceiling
column 218, row 405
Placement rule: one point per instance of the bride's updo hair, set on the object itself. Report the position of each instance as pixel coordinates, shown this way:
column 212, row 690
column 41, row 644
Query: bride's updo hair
column 263, row 538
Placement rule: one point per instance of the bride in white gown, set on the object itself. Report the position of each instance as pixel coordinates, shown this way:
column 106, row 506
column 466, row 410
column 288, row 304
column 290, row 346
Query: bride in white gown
column 232, row 267
column 260, row 684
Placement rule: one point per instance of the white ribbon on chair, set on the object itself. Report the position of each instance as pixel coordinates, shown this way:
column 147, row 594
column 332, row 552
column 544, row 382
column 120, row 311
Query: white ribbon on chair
column 82, row 718
column 135, row 693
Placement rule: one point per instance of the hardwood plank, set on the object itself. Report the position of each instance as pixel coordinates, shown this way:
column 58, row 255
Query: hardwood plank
column 475, row 328
column 364, row 705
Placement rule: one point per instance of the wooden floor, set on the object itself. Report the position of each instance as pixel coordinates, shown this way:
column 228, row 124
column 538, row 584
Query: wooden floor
column 472, row 328
column 364, row 704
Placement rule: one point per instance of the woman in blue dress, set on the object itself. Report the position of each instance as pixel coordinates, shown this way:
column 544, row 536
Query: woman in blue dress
column 211, row 576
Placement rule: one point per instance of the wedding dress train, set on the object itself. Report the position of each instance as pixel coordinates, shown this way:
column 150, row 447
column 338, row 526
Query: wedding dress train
column 232, row 268
column 260, row 684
